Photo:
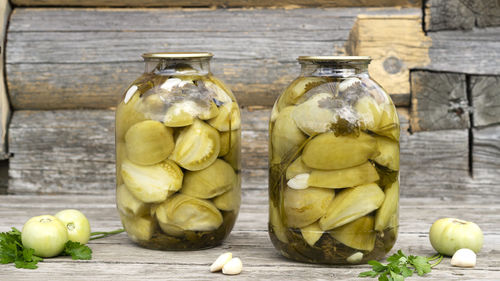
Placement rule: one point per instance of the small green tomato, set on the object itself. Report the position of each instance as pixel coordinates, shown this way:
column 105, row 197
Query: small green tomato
column 448, row 235
column 77, row 225
column 45, row 234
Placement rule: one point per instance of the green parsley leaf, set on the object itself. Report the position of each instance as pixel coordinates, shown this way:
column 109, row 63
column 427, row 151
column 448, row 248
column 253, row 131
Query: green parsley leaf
column 77, row 251
column 421, row 264
column 400, row 266
column 377, row 266
column 368, row 274
column 12, row 251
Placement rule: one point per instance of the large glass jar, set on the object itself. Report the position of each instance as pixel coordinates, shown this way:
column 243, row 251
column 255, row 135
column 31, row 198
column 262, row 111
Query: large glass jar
column 334, row 165
column 178, row 155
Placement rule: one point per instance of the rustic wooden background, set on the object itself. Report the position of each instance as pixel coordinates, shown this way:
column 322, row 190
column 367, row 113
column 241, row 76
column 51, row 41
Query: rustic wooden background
column 67, row 62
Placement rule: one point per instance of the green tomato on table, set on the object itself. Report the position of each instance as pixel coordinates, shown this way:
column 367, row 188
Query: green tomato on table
column 45, row 234
column 77, row 225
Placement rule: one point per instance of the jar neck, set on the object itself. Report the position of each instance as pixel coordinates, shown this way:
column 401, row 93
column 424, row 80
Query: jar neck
column 183, row 66
column 332, row 68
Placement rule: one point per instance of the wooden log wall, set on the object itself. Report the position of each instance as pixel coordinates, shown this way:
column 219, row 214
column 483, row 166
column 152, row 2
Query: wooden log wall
column 66, row 68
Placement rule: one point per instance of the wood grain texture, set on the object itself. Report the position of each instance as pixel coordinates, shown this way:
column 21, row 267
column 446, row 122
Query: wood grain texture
column 486, row 154
column 438, row 101
column 117, row 258
column 99, row 51
column 84, row 58
column 485, row 94
column 70, row 151
column 220, row 3
column 396, row 43
column 83, row 63
column 5, row 10
column 461, row 14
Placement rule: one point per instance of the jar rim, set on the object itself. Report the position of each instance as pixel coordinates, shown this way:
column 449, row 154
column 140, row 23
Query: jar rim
column 177, row 55
column 360, row 59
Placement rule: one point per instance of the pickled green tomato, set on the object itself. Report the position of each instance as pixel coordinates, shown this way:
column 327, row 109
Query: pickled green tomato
column 45, row 234
column 77, row 225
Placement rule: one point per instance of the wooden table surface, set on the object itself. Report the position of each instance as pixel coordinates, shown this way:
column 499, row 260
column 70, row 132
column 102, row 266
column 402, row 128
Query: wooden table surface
column 118, row 258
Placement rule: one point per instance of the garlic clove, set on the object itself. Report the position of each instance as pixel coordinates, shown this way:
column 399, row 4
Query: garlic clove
column 233, row 267
column 299, row 181
column 355, row 258
column 464, row 258
column 220, row 262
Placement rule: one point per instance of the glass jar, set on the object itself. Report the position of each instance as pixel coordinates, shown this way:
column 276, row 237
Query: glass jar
column 178, row 155
column 334, row 165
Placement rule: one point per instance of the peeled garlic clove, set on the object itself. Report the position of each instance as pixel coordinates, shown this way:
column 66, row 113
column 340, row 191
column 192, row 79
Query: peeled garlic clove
column 276, row 224
column 129, row 205
column 209, row 182
column 311, row 118
column 230, row 200
column 294, row 94
column 350, row 204
column 227, row 141
column 151, row 183
column 311, row 233
column 369, row 113
column 358, row 234
column 389, row 122
column 232, row 267
column 305, row 206
column 299, row 181
column 220, row 262
column 464, row 258
column 189, row 213
column 348, row 177
column 286, row 138
column 328, row 152
column 389, row 153
column 127, row 115
column 139, row 228
column 228, row 118
column 355, row 258
column 196, row 147
column 388, row 208
column 149, row 142
column 297, row 167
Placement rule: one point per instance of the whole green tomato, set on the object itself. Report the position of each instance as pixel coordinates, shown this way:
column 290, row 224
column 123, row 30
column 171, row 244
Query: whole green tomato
column 45, row 234
column 77, row 225
column 448, row 235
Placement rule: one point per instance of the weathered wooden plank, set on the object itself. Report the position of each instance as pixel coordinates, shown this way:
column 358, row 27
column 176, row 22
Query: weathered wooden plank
column 118, row 258
column 57, row 57
column 72, row 152
column 220, row 3
column 5, row 10
column 471, row 52
column 396, row 43
column 255, row 50
column 486, row 154
column 438, row 101
column 461, row 14
column 485, row 94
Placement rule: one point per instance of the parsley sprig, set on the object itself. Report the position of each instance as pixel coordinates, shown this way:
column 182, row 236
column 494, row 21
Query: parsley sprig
column 400, row 266
column 13, row 251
